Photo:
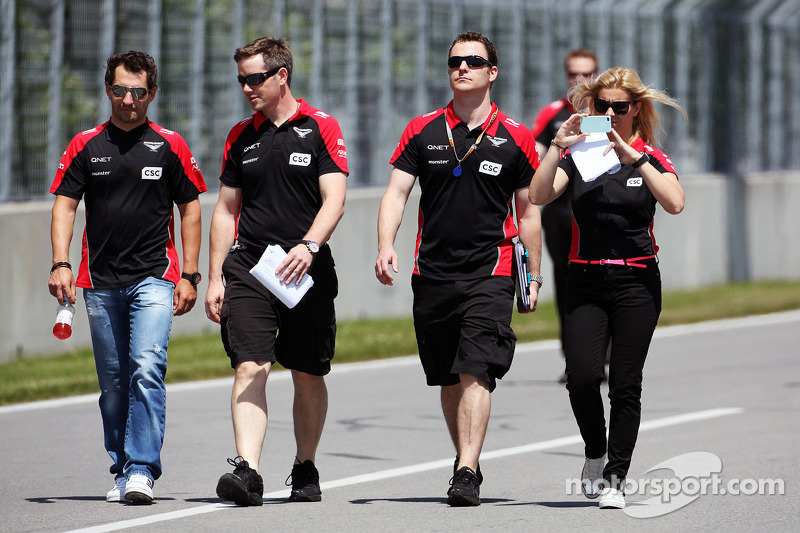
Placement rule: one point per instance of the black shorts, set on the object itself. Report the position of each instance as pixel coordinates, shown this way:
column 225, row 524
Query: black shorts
column 256, row 326
column 464, row 327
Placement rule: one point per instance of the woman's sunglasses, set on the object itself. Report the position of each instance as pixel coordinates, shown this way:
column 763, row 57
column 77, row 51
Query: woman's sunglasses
column 620, row 107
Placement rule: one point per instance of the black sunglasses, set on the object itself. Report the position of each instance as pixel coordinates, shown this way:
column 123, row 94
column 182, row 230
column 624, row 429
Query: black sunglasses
column 120, row 91
column 472, row 61
column 620, row 107
column 259, row 77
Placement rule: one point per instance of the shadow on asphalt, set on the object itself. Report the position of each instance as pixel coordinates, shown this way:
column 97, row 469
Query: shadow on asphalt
column 443, row 501
column 53, row 499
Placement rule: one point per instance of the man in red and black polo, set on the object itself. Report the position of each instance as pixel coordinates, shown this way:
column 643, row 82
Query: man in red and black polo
column 283, row 183
column 129, row 172
column 472, row 161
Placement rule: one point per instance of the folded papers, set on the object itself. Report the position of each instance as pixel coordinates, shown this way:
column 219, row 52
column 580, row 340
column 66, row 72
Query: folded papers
column 264, row 271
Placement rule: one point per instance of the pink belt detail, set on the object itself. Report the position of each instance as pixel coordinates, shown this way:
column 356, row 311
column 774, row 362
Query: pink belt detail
column 623, row 262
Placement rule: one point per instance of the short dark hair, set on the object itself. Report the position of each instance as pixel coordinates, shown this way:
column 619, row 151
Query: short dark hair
column 133, row 62
column 473, row 36
column 274, row 52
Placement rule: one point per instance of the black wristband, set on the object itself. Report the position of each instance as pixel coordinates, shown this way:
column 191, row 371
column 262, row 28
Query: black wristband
column 641, row 161
column 59, row 265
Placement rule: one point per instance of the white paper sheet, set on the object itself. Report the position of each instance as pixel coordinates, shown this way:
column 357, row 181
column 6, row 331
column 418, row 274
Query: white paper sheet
column 264, row 271
column 588, row 156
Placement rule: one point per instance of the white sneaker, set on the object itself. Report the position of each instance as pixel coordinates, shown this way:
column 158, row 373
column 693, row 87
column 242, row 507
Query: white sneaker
column 592, row 482
column 139, row 489
column 117, row 494
column 612, row 499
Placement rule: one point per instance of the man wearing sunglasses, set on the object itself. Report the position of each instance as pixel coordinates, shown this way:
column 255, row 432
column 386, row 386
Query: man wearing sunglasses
column 283, row 183
column 472, row 162
column 580, row 66
column 129, row 172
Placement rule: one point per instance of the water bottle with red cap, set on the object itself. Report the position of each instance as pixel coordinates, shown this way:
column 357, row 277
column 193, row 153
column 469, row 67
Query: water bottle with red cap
column 64, row 313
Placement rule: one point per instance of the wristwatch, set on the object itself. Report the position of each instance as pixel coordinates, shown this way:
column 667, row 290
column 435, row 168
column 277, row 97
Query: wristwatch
column 641, row 161
column 194, row 279
column 312, row 246
column 538, row 279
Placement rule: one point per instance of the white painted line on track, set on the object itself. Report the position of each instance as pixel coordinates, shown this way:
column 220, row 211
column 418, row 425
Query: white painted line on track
column 280, row 375
column 661, row 332
column 728, row 324
column 411, row 469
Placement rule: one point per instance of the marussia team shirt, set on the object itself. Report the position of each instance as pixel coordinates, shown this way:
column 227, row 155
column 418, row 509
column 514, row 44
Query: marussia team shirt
column 466, row 222
column 613, row 214
column 129, row 181
column 278, row 170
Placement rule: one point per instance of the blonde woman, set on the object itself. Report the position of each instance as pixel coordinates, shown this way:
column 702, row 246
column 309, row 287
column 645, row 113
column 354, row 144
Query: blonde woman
column 614, row 284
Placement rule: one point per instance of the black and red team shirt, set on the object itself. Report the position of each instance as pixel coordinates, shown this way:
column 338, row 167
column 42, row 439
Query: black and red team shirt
column 613, row 215
column 129, row 181
column 278, row 170
column 547, row 124
column 550, row 119
column 466, row 223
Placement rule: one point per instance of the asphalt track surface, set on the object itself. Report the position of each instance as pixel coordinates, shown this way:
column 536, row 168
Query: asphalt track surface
column 728, row 390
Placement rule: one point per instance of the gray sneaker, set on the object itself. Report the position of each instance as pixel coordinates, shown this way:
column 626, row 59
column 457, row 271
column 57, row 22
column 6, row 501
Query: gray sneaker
column 592, row 482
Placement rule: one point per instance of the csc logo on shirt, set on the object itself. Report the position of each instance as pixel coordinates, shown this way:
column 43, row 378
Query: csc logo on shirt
column 151, row 173
column 301, row 160
column 488, row 167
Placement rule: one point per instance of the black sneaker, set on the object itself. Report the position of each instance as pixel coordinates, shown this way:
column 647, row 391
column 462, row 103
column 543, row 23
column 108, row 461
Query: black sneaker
column 465, row 489
column 305, row 483
column 455, row 467
column 243, row 487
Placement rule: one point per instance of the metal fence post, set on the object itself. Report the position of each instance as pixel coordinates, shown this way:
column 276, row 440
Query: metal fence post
column 7, row 75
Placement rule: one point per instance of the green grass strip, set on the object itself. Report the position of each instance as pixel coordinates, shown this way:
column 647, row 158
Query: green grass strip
column 202, row 356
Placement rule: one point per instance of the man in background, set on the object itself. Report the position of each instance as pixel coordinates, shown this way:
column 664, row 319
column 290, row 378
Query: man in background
column 580, row 65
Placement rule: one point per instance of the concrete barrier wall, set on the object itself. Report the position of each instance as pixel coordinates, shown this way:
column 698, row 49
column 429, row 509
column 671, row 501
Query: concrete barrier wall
column 731, row 229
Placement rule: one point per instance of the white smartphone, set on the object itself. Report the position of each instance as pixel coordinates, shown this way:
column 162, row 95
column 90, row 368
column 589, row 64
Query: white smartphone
column 596, row 124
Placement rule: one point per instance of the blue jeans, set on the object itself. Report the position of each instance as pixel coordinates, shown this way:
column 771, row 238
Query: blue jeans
column 130, row 331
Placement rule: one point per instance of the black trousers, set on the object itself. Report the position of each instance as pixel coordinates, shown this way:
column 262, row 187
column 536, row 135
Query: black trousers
column 621, row 305
column 557, row 230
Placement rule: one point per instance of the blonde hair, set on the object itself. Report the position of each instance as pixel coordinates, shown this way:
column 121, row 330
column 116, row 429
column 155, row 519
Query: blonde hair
column 647, row 123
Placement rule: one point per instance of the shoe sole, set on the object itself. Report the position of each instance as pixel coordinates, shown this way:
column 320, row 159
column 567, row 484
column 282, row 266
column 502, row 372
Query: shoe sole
column 138, row 497
column 590, row 495
column 229, row 488
column 612, row 505
column 456, row 499
column 295, row 497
